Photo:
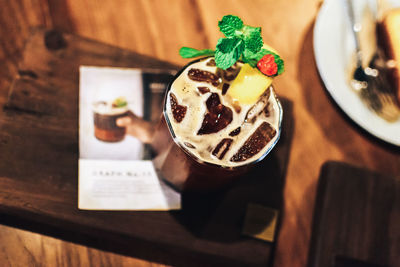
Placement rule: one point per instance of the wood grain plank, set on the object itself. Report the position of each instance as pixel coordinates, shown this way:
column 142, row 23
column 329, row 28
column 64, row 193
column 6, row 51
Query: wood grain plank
column 356, row 217
column 154, row 28
column 16, row 19
column 38, row 171
column 24, row 248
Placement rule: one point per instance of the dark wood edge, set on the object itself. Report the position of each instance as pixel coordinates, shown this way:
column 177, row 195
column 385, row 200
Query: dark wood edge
column 326, row 168
column 106, row 241
column 319, row 205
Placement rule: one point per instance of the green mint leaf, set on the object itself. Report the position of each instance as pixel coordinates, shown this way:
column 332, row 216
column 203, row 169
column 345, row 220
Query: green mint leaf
column 187, row 52
column 251, row 62
column 242, row 42
column 229, row 25
column 281, row 65
column 253, row 58
column 228, row 52
column 252, row 38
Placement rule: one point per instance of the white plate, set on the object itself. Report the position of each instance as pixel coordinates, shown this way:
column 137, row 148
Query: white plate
column 333, row 48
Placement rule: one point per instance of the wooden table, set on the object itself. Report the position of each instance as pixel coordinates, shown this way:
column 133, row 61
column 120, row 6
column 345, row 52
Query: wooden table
column 322, row 132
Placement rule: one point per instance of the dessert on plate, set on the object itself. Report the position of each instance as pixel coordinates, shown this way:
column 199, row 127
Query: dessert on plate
column 390, row 42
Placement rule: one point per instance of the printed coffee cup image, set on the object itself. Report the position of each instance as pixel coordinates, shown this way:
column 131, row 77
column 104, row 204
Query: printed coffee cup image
column 105, row 115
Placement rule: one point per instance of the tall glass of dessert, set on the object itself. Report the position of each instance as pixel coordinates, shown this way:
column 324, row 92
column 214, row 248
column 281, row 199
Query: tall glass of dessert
column 205, row 138
column 221, row 114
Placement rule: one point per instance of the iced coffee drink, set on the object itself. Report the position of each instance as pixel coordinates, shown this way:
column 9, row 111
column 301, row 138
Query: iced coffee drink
column 214, row 128
column 221, row 114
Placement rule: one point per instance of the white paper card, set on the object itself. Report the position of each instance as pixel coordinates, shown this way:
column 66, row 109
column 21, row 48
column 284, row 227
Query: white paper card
column 123, row 185
column 114, row 170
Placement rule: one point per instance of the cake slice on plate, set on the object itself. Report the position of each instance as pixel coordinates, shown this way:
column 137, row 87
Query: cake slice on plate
column 390, row 36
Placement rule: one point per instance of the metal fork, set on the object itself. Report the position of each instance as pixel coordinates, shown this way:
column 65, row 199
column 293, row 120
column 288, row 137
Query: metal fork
column 371, row 82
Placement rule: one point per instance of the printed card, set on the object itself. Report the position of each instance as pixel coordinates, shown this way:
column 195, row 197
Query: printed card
column 115, row 169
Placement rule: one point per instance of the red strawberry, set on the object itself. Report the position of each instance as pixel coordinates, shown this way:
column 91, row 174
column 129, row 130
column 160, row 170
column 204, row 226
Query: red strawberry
column 267, row 65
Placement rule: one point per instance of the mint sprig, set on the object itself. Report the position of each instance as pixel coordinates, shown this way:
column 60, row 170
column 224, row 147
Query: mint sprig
column 252, row 38
column 247, row 40
column 187, row 52
column 229, row 25
column 119, row 102
column 228, row 51
column 241, row 42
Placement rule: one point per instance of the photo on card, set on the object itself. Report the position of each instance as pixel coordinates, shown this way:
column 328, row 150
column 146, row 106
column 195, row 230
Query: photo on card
column 109, row 94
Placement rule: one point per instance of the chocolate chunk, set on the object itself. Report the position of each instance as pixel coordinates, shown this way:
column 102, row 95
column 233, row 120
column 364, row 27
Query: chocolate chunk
column 212, row 102
column 228, row 74
column 255, row 143
column 211, row 63
column 222, row 147
column 231, row 74
column 203, row 89
column 225, row 88
column 203, row 76
column 235, row 132
column 217, row 117
column 178, row 111
column 230, row 77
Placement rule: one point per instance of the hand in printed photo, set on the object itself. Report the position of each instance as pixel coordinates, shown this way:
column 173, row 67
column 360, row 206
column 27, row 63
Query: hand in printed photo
column 137, row 127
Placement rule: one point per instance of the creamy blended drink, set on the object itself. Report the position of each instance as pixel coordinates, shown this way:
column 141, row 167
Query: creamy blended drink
column 214, row 128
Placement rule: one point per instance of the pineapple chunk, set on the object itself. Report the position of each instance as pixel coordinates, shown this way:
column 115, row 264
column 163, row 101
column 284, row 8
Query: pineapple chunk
column 249, row 85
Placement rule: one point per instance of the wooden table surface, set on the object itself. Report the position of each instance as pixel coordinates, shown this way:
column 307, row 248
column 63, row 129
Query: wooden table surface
column 159, row 28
